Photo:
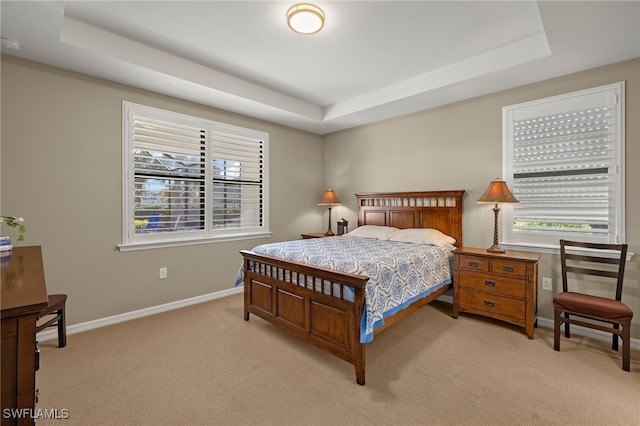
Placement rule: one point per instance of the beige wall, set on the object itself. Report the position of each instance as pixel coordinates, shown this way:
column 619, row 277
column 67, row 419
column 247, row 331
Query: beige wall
column 61, row 170
column 61, row 166
column 459, row 146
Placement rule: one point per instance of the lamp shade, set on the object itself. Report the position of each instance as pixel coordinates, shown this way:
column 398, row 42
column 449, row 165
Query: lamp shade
column 329, row 199
column 497, row 192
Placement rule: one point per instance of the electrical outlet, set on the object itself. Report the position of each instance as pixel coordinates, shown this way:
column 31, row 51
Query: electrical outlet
column 547, row 283
column 163, row 273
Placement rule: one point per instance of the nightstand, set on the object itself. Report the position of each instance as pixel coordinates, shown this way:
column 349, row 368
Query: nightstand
column 502, row 286
column 314, row 235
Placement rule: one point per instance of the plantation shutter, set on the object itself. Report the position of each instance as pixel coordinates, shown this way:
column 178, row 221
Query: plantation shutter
column 565, row 168
column 169, row 175
column 189, row 180
column 238, row 179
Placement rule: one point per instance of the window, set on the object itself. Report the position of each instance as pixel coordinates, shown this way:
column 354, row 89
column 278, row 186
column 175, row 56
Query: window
column 190, row 180
column 563, row 158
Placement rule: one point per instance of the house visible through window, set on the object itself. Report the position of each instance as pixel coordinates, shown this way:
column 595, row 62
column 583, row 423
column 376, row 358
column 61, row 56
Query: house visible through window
column 191, row 180
column 563, row 158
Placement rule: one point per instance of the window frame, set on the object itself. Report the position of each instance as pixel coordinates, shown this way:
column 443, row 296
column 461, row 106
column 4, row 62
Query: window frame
column 210, row 234
column 524, row 241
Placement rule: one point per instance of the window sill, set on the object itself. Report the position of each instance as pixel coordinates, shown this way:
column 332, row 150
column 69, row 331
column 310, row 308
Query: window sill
column 188, row 242
column 544, row 249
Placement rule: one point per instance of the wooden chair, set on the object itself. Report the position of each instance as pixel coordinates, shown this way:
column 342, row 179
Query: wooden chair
column 610, row 314
column 56, row 308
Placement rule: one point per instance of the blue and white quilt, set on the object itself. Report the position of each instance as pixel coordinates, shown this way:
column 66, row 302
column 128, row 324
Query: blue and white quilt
column 399, row 272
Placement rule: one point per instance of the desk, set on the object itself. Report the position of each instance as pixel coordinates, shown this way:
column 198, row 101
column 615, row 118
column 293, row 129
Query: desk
column 24, row 295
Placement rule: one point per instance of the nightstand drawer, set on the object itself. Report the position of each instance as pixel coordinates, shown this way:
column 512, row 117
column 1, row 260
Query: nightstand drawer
column 494, row 304
column 515, row 269
column 471, row 263
column 495, row 284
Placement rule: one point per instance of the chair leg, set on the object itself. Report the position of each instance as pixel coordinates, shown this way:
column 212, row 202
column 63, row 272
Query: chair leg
column 556, row 330
column 614, row 339
column 626, row 347
column 567, row 331
column 62, row 329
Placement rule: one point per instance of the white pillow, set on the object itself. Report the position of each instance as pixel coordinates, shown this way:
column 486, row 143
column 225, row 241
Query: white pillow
column 373, row 231
column 422, row 236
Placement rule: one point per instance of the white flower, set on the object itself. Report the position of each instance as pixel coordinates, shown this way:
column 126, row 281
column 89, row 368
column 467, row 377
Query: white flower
column 15, row 222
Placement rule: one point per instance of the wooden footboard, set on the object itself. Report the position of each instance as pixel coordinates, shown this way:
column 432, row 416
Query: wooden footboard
column 318, row 305
column 325, row 307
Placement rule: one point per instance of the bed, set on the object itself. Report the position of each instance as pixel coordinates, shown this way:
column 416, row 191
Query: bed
column 327, row 307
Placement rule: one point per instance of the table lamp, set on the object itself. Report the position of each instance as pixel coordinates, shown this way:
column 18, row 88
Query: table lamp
column 329, row 199
column 497, row 192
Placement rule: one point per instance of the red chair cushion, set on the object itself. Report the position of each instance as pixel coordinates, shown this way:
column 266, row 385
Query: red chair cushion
column 593, row 306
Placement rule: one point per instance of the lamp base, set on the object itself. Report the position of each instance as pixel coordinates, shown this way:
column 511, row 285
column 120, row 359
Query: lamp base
column 495, row 249
column 329, row 232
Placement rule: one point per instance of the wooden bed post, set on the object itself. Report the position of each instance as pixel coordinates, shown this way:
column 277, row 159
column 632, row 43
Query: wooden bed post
column 360, row 368
column 358, row 347
column 247, row 292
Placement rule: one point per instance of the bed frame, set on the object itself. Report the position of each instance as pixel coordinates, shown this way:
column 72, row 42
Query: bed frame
column 327, row 320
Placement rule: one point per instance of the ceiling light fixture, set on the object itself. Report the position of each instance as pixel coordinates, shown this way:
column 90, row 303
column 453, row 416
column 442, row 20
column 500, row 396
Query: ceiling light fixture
column 305, row 18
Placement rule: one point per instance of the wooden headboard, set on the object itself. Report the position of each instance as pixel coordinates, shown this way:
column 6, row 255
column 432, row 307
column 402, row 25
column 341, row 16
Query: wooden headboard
column 441, row 210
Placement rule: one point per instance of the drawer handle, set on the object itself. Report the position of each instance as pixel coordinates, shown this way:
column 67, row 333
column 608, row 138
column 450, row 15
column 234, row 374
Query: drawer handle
column 507, row 268
column 490, row 283
column 474, row 264
column 490, row 303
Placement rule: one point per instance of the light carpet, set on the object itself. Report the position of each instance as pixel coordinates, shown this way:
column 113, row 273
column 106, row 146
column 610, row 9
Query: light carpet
column 205, row 365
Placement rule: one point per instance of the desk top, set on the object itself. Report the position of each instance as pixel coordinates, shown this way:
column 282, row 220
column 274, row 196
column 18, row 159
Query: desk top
column 23, row 286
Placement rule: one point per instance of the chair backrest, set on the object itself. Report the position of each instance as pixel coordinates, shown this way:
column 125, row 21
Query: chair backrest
column 592, row 260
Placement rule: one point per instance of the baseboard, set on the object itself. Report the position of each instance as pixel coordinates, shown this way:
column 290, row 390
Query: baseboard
column 103, row 322
column 575, row 329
